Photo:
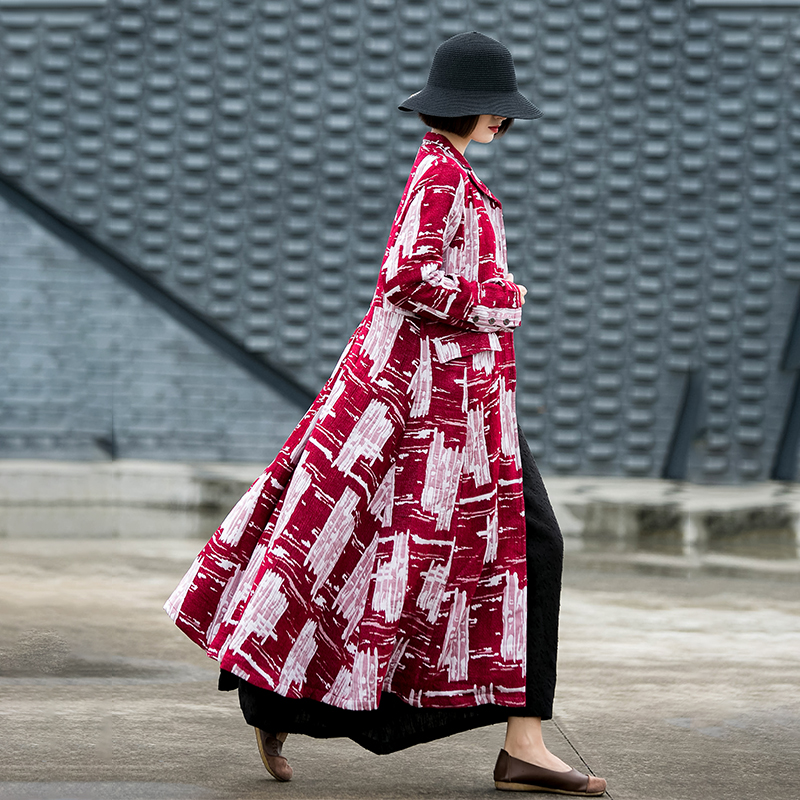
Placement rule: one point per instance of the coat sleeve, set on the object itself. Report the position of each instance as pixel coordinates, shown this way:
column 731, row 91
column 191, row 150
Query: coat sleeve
column 415, row 279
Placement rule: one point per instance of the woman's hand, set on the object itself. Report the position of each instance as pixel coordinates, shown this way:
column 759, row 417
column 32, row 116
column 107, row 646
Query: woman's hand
column 509, row 276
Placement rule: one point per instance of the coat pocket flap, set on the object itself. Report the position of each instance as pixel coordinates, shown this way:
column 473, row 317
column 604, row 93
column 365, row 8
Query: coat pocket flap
column 463, row 343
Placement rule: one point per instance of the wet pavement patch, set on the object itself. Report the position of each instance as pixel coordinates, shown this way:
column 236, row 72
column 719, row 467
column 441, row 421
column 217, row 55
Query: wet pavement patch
column 759, row 533
column 102, row 790
column 43, row 656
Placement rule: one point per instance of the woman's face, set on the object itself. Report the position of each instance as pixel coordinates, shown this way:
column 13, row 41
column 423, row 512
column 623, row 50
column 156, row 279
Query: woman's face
column 486, row 129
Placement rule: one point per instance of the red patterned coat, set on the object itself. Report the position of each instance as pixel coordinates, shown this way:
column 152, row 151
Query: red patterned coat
column 384, row 547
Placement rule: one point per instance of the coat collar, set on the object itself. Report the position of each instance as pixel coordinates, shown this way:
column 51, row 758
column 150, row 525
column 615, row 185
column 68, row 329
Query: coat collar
column 443, row 143
column 436, row 141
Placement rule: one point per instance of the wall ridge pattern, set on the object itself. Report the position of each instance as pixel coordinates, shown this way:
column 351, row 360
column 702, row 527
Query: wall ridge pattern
column 248, row 157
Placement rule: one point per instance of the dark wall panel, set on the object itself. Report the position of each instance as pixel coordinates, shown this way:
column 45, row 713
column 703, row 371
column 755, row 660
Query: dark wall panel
column 90, row 370
column 249, row 157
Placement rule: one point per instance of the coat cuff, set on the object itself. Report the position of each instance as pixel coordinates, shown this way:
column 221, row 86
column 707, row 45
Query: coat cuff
column 495, row 319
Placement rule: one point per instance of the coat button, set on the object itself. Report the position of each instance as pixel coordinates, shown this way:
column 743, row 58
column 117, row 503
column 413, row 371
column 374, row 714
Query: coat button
column 506, row 321
column 475, row 318
column 491, row 320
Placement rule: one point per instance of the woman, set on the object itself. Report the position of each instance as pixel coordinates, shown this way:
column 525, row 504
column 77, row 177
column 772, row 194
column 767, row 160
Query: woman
column 375, row 581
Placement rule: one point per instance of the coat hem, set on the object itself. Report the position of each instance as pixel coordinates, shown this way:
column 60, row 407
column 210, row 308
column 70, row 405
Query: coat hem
column 392, row 727
column 471, row 697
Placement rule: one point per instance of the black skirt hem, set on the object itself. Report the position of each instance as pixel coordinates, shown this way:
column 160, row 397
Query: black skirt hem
column 393, row 726
column 396, row 725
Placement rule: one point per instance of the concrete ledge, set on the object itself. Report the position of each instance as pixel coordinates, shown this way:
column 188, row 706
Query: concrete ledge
column 678, row 517
column 650, row 523
column 124, row 482
column 127, row 498
column 718, row 564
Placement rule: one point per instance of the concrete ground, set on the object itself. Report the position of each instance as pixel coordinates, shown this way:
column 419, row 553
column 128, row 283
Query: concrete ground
column 670, row 686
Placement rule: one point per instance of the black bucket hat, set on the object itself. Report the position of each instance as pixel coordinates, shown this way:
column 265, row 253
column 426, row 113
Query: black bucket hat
column 471, row 74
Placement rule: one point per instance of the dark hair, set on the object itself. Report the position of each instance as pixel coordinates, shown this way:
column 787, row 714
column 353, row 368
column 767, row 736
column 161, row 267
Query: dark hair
column 461, row 126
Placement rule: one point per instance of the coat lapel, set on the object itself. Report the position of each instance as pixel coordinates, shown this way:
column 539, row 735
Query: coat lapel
column 441, row 144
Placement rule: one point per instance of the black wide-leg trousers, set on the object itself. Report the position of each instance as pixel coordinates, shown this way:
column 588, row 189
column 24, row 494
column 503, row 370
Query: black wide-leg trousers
column 395, row 725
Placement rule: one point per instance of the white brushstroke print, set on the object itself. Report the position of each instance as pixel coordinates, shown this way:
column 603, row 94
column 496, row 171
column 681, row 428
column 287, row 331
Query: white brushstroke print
column 484, row 694
column 394, row 663
column 496, row 218
column 241, row 585
column 483, row 361
column 512, row 647
column 433, row 588
column 411, row 214
column 226, row 603
column 339, row 688
column 356, row 689
column 264, row 610
column 392, row 259
column 332, row 539
column 301, row 445
column 232, row 527
column 368, row 438
column 382, row 502
column 364, row 684
column 333, row 398
column 427, row 163
column 476, row 454
column 454, row 217
column 239, row 672
column 455, row 650
column 491, row 533
column 509, row 435
column 175, row 601
column 381, row 336
column 391, row 262
column 472, row 247
column 391, row 579
column 447, row 351
column 442, row 474
column 352, row 598
column 298, row 486
column 294, row 670
column 422, row 382
column 409, row 232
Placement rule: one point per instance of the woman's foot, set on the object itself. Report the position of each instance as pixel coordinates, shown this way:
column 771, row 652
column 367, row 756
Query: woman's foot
column 515, row 775
column 526, row 765
column 524, row 741
column 270, row 746
column 540, row 756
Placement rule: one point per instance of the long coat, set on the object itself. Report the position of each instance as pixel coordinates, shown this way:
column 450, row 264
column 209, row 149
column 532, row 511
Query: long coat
column 384, row 547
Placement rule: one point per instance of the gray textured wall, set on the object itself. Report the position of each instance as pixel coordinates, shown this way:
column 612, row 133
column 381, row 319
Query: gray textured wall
column 248, row 157
column 86, row 360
